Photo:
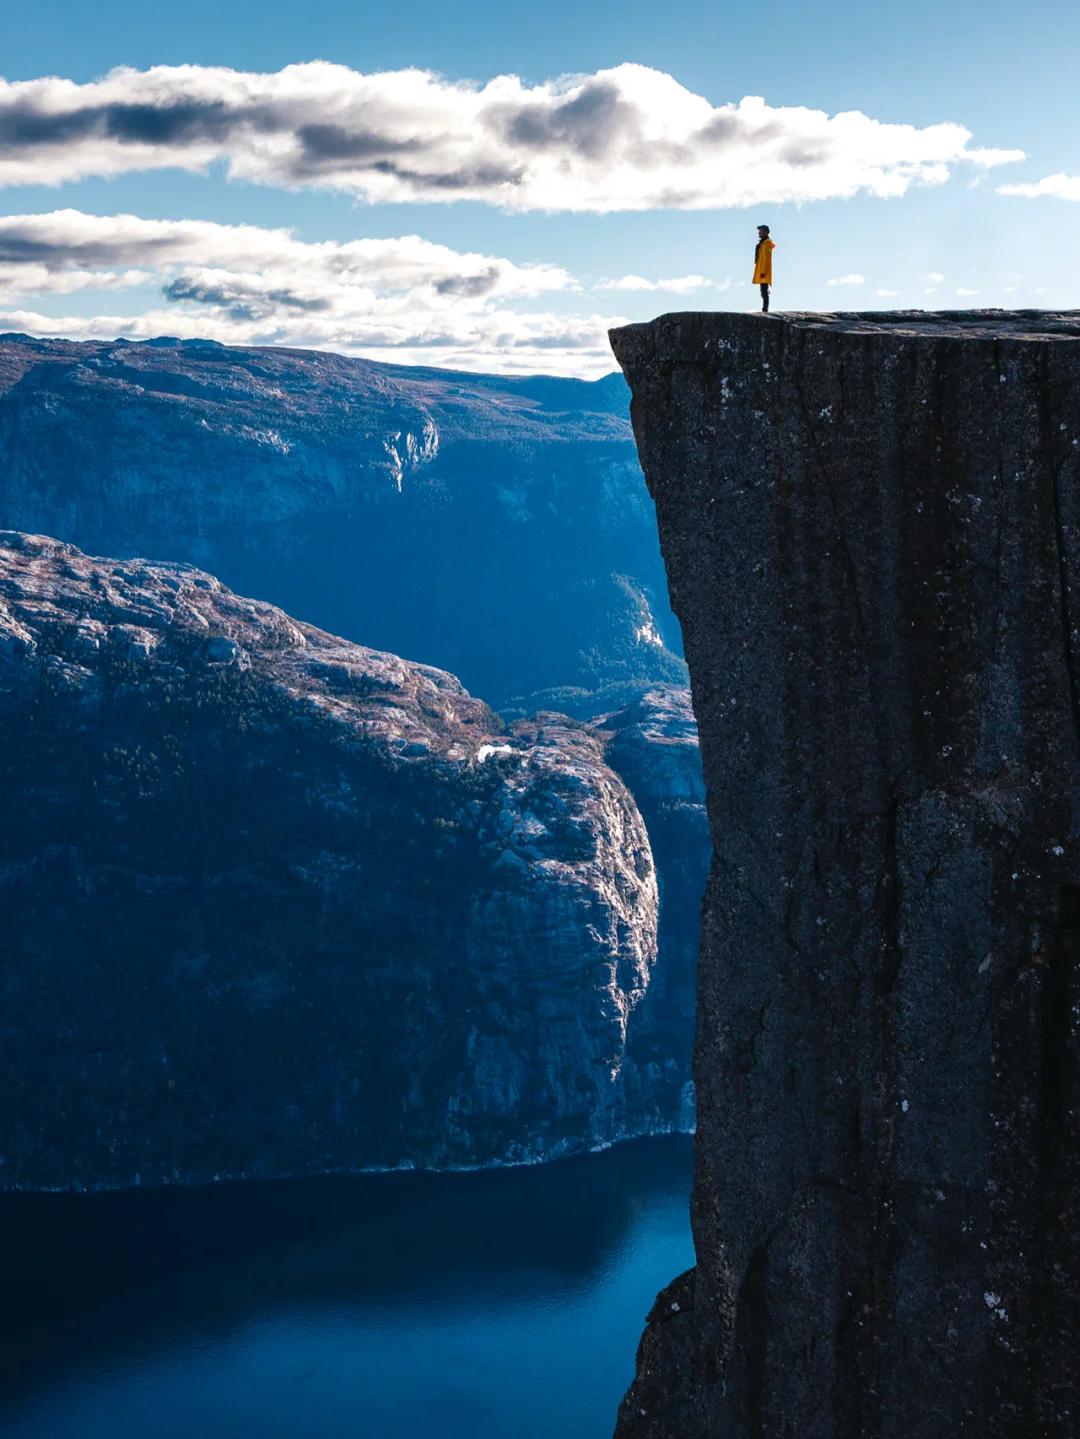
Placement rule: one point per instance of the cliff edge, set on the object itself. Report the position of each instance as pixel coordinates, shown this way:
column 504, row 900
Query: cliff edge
column 871, row 527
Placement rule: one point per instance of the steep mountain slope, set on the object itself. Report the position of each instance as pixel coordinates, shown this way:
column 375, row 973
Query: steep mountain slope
column 499, row 528
column 274, row 902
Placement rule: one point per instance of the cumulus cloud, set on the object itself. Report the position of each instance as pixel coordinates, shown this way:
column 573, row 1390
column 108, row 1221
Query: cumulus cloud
column 1059, row 187
column 627, row 138
column 848, row 280
column 962, row 291
column 886, row 293
column 406, row 299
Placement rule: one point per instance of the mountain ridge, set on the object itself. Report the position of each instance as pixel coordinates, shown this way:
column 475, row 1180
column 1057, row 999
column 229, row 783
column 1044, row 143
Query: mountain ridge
column 277, row 903
column 496, row 527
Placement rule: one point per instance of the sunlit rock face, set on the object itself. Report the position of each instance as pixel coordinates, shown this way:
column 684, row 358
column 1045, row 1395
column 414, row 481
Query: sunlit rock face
column 871, row 526
column 499, row 528
column 277, row 903
column 653, row 745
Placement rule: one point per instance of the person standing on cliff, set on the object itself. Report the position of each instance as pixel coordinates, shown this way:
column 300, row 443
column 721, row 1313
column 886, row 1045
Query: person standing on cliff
column 763, row 265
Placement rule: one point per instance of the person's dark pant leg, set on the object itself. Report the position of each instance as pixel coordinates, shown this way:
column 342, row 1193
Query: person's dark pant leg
column 765, row 298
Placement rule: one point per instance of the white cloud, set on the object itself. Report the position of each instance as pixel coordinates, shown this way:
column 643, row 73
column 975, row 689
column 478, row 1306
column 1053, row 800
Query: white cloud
column 684, row 285
column 628, row 282
column 848, row 280
column 628, row 138
column 510, row 343
column 962, row 291
column 404, row 299
column 45, row 252
column 932, row 278
column 886, row 292
column 1059, row 187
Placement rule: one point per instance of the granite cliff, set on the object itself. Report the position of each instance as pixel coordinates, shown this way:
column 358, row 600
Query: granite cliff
column 871, row 527
column 499, row 528
column 277, row 903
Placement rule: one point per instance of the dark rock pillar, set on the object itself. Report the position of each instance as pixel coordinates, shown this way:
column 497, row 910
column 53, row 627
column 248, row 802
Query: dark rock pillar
column 871, row 526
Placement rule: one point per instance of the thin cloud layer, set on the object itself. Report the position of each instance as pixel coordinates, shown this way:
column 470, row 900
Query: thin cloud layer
column 66, row 249
column 1058, row 187
column 405, row 299
column 628, row 138
column 681, row 285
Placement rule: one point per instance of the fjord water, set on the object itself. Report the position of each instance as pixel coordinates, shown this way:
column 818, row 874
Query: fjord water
column 503, row 1304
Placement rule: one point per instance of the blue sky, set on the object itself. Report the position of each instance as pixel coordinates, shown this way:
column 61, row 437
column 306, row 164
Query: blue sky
column 993, row 69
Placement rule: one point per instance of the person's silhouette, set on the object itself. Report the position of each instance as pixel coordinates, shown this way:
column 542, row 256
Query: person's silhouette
column 763, row 265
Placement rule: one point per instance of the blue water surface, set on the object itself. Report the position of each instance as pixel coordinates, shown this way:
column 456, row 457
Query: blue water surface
column 499, row 1305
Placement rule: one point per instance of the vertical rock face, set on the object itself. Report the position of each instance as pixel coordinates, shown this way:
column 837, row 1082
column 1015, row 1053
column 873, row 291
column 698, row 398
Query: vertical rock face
column 871, row 526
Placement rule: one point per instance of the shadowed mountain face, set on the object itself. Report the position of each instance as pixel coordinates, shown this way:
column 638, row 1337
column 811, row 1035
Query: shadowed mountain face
column 224, row 829
column 276, row 903
column 871, row 525
column 498, row 528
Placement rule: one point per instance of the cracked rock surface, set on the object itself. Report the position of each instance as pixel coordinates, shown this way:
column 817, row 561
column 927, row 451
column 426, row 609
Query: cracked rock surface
column 276, row 903
column 871, row 527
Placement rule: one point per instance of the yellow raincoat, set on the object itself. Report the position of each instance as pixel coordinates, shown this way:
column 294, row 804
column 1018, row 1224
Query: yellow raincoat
column 763, row 262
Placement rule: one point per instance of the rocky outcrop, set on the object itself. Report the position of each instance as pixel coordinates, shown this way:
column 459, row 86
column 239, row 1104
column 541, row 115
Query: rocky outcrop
column 871, row 526
column 497, row 527
column 653, row 745
column 276, row 903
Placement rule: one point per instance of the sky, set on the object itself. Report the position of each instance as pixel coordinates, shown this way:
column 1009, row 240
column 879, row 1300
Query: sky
column 491, row 186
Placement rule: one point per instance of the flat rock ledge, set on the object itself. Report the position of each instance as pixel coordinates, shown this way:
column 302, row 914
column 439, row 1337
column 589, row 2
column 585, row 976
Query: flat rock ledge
column 871, row 527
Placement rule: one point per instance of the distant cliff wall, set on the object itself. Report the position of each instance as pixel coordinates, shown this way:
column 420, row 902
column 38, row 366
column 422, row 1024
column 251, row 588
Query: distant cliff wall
column 653, row 746
column 871, row 527
column 497, row 527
